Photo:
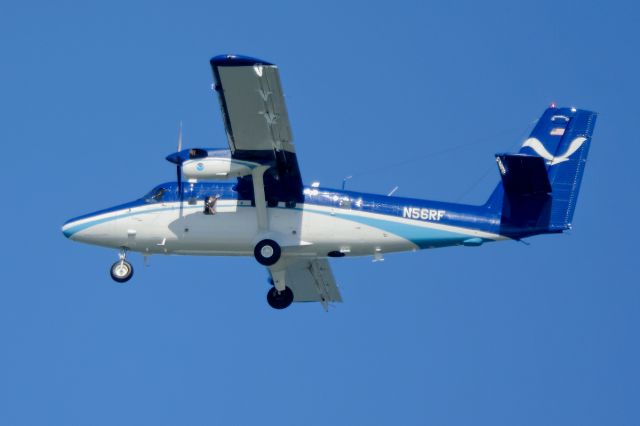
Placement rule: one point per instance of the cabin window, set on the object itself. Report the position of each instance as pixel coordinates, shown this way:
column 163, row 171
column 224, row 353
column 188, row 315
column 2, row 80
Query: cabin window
column 344, row 203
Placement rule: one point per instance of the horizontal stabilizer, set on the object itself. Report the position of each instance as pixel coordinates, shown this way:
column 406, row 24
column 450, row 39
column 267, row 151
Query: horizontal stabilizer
column 523, row 174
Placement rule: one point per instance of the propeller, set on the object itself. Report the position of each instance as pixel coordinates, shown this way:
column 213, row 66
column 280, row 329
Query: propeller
column 179, row 168
column 178, row 158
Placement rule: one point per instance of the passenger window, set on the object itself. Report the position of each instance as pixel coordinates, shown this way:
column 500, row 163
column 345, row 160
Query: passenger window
column 345, row 203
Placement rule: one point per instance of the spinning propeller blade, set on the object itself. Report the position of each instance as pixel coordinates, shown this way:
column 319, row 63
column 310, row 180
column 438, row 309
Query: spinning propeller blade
column 179, row 167
column 179, row 175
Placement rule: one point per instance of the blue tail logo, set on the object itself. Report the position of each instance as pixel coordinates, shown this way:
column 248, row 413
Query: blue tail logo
column 539, row 149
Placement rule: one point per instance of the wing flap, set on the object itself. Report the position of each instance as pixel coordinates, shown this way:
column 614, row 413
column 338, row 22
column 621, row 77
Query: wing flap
column 312, row 280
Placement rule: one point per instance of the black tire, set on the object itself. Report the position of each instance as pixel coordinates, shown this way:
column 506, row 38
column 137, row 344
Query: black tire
column 121, row 271
column 267, row 252
column 279, row 299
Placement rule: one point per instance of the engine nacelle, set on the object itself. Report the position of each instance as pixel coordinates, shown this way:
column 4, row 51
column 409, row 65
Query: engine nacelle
column 203, row 163
column 216, row 168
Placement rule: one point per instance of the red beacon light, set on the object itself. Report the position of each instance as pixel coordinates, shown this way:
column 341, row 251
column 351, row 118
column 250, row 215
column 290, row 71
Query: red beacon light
column 553, row 105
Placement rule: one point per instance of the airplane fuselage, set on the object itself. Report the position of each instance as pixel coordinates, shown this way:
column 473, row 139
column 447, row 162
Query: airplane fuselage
column 329, row 223
column 291, row 229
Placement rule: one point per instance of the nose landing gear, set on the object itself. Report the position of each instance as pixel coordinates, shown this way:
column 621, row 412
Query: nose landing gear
column 122, row 271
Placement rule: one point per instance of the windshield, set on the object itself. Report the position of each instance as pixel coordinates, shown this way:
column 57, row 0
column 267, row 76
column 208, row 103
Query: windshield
column 156, row 195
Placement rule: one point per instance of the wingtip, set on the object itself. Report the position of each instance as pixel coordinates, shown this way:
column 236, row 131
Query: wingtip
column 232, row 60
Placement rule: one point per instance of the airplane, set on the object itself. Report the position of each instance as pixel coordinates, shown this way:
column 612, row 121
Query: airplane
column 248, row 199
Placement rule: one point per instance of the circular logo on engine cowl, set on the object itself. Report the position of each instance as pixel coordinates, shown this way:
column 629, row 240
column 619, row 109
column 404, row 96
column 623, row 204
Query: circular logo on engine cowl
column 199, row 167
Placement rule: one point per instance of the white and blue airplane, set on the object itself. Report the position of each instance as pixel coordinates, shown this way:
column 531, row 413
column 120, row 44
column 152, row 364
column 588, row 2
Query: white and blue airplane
column 249, row 199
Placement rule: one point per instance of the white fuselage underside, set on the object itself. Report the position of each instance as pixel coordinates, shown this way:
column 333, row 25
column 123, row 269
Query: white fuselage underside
column 165, row 228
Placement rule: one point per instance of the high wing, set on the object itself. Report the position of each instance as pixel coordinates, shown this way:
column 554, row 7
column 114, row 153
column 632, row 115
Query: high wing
column 311, row 280
column 257, row 124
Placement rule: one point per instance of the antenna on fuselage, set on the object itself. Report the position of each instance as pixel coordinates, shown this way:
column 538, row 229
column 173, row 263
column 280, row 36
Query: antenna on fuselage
column 344, row 181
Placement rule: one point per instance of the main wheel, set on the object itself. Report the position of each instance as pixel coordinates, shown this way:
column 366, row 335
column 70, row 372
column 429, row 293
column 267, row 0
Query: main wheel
column 121, row 271
column 279, row 299
column 267, row 252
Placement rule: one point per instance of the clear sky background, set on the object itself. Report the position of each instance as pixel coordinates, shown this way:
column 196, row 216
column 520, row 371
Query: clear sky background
column 415, row 94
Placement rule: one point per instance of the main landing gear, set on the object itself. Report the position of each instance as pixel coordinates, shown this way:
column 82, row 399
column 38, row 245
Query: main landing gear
column 122, row 271
column 279, row 299
column 267, row 252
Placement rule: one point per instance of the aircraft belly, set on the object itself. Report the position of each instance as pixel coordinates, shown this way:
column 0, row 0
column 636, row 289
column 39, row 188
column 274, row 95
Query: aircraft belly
column 332, row 232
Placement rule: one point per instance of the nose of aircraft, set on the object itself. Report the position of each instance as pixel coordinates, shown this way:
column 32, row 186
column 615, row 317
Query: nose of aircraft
column 69, row 228
column 86, row 229
column 72, row 227
column 98, row 227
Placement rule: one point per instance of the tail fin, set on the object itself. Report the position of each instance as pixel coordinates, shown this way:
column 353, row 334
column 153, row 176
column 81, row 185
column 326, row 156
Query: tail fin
column 540, row 184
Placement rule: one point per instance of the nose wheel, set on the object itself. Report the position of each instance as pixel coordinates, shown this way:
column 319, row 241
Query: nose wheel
column 121, row 271
column 279, row 299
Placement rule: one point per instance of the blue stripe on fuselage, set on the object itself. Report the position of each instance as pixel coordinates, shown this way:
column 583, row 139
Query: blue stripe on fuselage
column 75, row 229
column 458, row 215
column 128, row 205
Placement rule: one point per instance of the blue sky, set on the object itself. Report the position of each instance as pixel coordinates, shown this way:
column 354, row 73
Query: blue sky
column 414, row 94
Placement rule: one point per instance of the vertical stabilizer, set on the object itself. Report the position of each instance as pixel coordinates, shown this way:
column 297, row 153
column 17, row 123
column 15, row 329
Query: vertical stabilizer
column 540, row 183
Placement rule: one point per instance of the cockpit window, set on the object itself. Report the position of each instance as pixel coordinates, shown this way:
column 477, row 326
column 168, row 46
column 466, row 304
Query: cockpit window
column 156, row 195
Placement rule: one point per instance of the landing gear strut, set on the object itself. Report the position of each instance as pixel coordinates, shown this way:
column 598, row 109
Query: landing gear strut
column 122, row 271
column 267, row 252
column 279, row 299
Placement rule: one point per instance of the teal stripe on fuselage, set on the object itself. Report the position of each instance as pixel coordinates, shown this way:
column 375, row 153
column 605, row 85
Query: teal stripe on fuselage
column 421, row 236
column 75, row 229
